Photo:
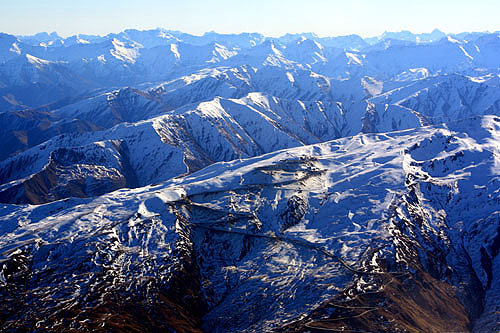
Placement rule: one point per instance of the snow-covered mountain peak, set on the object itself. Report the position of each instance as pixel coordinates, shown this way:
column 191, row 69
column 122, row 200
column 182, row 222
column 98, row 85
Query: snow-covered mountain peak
column 453, row 40
column 310, row 44
column 127, row 52
column 39, row 63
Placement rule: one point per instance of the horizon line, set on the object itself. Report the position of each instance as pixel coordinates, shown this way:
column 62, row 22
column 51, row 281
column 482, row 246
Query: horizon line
column 64, row 36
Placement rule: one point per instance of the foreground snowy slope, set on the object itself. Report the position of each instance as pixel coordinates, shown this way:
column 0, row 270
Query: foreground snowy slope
column 283, row 240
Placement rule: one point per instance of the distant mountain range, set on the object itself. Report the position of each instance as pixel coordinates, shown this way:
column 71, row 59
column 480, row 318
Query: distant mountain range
column 46, row 68
column 157, row 180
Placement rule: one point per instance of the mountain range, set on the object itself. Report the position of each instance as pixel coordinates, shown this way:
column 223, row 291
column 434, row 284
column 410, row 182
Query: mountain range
column 156, row 180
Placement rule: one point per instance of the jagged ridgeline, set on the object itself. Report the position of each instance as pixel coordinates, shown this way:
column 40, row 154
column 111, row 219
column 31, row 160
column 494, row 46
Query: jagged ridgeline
column 159, row 181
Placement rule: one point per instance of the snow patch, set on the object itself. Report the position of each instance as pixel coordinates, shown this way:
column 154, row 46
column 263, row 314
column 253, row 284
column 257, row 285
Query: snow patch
column 175, row 50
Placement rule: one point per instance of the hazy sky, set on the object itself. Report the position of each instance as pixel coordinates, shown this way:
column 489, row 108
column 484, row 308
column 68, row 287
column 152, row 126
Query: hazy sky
column 269, row 17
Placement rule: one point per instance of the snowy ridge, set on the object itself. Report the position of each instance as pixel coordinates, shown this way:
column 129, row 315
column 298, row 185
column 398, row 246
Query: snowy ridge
column 203, row 128
column 221, row 129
